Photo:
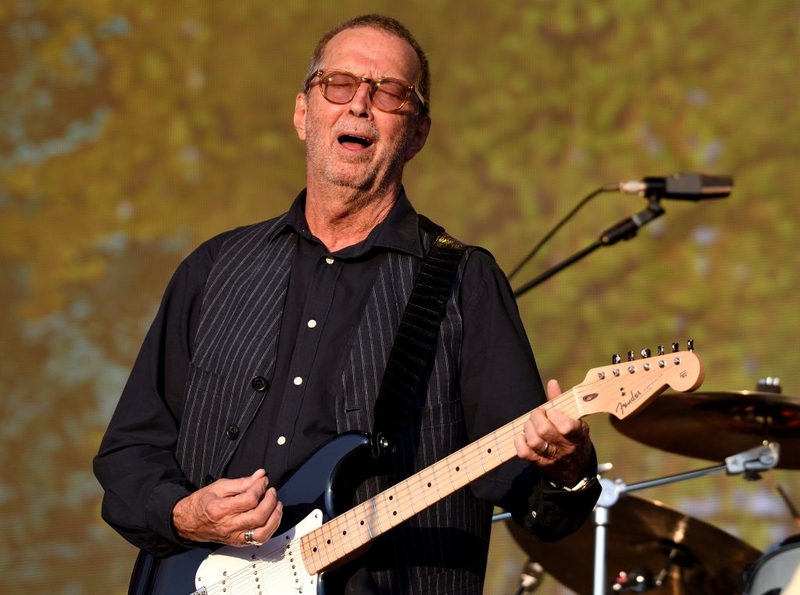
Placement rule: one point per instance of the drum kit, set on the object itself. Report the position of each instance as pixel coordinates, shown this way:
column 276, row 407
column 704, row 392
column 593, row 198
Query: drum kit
column 642, row 546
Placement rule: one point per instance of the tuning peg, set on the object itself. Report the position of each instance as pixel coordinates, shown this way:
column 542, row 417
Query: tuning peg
column 616, row 359
column 660, row 350
column 675, row 347
column 646, row 352
column 631, row 356
column 690, row 344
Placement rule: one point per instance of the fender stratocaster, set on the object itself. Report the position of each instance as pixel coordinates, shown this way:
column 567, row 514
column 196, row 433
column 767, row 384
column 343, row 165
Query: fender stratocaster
column 295, row 561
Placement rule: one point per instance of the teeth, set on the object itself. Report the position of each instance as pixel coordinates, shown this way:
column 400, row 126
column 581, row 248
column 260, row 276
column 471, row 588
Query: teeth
column 347, row 138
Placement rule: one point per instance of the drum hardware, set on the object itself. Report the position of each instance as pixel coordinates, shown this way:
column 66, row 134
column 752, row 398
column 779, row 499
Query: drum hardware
column 770, row 384
column 530, row 579
column 748, row 463
column 656, row 544
column 633, row 581
column 653, row 549
column 706, row 426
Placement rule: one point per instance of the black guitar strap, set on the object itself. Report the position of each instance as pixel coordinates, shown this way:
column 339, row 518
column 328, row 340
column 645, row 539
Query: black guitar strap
column 415, row 342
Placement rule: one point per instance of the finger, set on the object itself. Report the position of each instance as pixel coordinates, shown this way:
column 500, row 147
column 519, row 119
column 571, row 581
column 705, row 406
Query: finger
column 567, row 427
column 538, row 433
column 553, row 389
column 537, row 450
column 273, row 520
column 237, row 496
column 230, row 487
column 524, row 451
column 539, row 427
column 263, row 521
column 554, row 434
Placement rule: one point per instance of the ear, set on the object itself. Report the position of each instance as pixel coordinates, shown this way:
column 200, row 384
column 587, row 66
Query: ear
column 300, row 111
column 420, row 135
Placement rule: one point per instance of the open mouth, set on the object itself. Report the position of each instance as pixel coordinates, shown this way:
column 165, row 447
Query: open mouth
column 355, row 143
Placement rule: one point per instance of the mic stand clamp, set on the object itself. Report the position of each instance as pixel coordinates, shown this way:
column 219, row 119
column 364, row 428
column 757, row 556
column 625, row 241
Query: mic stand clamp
column 627, row 228
column 624, row 230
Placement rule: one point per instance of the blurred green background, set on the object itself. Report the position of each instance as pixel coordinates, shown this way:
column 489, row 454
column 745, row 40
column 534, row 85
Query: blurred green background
column 130, row 131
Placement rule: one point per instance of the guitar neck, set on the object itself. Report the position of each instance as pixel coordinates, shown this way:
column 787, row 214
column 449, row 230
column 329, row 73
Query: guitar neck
column 354, row 529
column 619, row 389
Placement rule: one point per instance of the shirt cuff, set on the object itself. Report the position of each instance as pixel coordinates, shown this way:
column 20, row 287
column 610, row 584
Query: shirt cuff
column 159, row 511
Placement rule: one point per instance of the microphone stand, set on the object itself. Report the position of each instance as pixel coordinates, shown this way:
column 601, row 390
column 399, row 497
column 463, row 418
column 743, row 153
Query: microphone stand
column 624, row 230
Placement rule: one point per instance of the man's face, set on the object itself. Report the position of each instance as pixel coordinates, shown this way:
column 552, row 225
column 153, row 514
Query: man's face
column 355, row 144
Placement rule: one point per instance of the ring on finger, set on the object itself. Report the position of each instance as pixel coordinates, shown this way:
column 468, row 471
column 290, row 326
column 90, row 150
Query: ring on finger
column 249, row 539
column 546, row 452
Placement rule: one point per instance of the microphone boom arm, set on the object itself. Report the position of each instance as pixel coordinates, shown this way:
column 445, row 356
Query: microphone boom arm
column 624, row 230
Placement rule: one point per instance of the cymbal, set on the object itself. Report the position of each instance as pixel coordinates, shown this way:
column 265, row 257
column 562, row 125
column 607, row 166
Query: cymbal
column 717, row 425
column 645, row 536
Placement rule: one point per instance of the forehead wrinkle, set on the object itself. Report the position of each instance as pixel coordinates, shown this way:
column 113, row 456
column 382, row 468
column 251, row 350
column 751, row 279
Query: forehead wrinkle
column 348, row 50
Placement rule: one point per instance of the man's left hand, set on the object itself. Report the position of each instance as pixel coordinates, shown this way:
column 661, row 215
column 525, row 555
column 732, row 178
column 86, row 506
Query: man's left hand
column 558, row 444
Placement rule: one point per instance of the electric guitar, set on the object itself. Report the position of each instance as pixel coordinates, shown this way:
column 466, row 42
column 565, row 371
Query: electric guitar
column 295, row 561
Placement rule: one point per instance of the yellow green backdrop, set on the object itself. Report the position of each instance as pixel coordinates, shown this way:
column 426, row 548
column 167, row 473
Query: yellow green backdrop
column 132, row 130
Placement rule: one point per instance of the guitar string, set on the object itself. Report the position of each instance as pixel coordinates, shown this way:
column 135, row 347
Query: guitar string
column 470, row 458
column 255, row 576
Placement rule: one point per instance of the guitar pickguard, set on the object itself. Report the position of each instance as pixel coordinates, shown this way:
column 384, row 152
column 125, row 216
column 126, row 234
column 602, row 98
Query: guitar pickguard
column 273, row 567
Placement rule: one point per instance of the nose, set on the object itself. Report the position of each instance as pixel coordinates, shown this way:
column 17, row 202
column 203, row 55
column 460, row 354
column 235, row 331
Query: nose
column 361, row 104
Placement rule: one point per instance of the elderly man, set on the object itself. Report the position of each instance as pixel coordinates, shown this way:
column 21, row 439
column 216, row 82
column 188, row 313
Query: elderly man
column 272, row 340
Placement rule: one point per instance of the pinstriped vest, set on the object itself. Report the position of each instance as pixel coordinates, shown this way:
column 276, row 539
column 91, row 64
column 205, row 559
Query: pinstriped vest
column 237, row 339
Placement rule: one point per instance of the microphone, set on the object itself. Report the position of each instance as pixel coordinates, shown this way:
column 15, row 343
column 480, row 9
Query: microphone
column 683, row 186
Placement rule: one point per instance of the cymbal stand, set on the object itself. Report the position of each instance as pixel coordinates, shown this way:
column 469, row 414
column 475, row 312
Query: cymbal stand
column 749, row 463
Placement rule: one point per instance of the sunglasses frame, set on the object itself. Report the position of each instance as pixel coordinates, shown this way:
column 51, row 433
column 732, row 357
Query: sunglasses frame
column 319, row 78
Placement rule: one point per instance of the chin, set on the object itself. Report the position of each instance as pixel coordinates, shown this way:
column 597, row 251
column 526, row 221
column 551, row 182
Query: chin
column 351, row 180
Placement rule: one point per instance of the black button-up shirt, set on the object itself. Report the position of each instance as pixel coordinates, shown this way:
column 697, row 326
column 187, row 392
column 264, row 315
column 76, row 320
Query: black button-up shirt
column 326, row 298
column 498, row 378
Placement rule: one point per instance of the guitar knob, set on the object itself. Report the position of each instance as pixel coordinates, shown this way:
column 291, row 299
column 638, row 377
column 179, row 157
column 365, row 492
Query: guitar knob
column 646, row 352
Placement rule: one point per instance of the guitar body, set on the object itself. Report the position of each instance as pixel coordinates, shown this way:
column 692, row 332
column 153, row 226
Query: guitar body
column 319, row 490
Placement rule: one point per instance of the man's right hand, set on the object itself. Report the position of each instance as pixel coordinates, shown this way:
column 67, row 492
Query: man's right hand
column 222, row 511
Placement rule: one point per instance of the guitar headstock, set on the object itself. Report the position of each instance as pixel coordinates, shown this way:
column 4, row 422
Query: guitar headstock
column 626, row 386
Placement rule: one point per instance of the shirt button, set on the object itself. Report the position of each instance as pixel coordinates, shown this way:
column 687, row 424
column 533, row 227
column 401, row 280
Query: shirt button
column 281, row 440
column 208, row 480
column 232, row 432
column 312, row 323
column 329, row 260
column 298, row 381
column 259, row 383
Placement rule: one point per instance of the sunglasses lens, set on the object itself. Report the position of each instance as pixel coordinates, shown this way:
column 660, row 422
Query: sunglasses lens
column 338, row 87
column 386, row 94
column 389, row 95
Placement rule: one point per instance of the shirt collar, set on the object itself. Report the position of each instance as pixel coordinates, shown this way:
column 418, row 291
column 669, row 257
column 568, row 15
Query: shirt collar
column 399, row 232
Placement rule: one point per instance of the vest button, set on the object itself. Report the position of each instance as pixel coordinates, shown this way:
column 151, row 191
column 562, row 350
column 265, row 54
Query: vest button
column 259, row 383
column 232, row 432
column 208, row 480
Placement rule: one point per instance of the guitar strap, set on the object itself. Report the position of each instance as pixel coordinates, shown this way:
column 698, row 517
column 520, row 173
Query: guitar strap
column 415, row 342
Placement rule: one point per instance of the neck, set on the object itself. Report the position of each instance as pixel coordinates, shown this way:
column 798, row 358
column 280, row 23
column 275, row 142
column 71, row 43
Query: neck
column 342, row 217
